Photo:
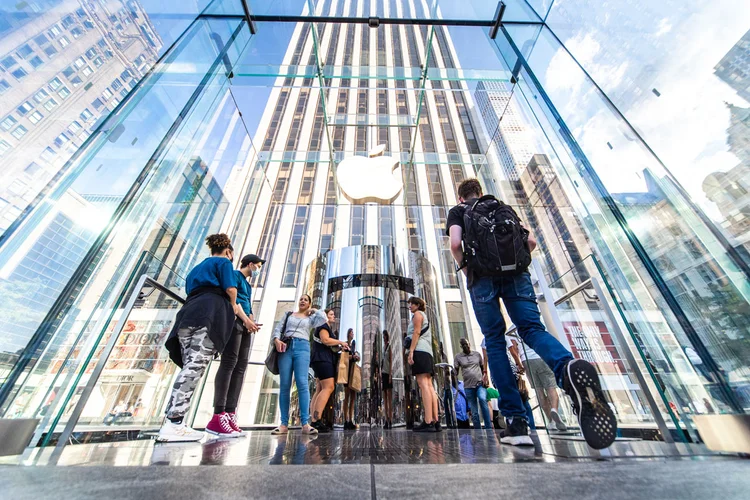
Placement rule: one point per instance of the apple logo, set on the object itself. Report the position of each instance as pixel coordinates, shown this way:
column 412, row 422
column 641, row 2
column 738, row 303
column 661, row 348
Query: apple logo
column 374, row 178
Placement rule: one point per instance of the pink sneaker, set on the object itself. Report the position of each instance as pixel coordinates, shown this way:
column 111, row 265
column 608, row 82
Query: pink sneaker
column 220, row 426
column 233, row 423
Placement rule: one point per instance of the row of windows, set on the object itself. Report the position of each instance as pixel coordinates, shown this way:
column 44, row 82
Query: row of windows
column 31, row 50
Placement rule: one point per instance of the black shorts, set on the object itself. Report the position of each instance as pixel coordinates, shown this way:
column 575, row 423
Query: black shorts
column 323, row 369
column 387, row 382
column 422, row 363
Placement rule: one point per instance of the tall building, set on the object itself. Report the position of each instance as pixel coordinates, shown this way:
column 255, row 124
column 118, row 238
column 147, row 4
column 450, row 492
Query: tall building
column 61, row 70
column 734, row 68
column 303, row 212
column 506, row 126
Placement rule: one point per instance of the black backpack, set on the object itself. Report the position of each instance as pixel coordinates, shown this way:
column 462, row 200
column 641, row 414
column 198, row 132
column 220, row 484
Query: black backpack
column 495, row 243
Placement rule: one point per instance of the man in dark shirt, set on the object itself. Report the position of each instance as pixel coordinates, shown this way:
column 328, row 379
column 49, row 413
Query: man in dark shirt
column 578, row 378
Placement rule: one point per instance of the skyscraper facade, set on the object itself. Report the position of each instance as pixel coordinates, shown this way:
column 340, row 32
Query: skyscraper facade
column 64, row 68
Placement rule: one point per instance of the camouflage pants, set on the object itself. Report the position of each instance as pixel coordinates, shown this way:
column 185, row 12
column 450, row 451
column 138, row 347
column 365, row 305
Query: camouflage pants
column 197, row 352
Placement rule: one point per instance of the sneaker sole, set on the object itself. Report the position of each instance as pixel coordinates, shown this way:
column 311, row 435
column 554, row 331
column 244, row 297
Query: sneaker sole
column 223, row 434
column 160, row 439
column 517, row 440
column 598, row 423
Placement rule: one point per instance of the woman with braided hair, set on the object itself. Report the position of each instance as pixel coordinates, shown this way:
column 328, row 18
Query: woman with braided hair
column 202, row 328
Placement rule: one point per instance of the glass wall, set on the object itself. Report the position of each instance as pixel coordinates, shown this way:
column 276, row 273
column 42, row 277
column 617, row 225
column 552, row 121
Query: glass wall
column 618, row 132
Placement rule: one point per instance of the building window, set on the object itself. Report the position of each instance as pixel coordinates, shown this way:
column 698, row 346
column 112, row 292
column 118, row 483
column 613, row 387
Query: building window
column 54, row 31
column 8, row 122
column 36, row 61
column 386, row 226
column 98, row 62
column 79, row 63
column 19, row 74
column 35, row 117
column 87, row 71
column 4, row 86
column 116, row 84
column 55, row 83
column 74, row 127
column 50, row 105
column 91, row 53
column 24, row 108
column 76, row 32
column 97, row 103
column 48, row 154
column 61, row 139
column 8, row 62
column 4, row 147
column 64, row 42
column 86, row 114
column 41, row 39
column 456, row 324
column 106, row 94
column 32, row 169
column 50, row 51
column 64, row 92
column 41, row 95
column 357, row 231
column 25, row 51
column 19, row 132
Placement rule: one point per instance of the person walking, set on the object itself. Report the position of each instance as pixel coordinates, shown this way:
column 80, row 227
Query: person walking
column 350, row 396
column 542, row 380
column 385, row 374
column 324, row 361
column 291, row 338
column 202, row 328
column 491, row 246
column 517, row 369
column 231, row 373
column 471, row 364
column 422, row 365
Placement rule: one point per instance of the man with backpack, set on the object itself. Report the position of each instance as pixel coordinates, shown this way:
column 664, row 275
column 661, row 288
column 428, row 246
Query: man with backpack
column 492, row 247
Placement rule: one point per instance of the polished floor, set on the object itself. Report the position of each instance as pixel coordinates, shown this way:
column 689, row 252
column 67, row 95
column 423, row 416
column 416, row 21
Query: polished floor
column 397, row 446
column 371, row 465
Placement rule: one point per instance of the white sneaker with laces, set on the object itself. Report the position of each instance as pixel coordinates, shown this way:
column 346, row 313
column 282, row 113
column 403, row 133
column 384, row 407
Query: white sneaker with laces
column 178, row 433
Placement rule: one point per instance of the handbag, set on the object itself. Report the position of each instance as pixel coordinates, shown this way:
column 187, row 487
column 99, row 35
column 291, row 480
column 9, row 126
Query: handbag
column 272, row 360
column 356, row 383
column 343, row 370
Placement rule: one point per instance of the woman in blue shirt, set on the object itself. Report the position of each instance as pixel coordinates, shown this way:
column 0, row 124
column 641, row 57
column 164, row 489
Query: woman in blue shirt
column 202, row 328
column 231, row 373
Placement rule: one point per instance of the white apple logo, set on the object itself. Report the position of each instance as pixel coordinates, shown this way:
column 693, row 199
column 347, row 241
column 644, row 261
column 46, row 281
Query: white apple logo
column 373, row 178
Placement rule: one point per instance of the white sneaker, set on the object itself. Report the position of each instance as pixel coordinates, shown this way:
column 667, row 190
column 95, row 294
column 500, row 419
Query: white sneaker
column 177, row 433
column 559, row 422
column 551, row 426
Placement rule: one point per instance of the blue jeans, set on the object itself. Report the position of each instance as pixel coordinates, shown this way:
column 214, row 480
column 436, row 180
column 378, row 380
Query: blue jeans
column 526, row 404
column 296, row 359
column 519, row 298
column 472, row 395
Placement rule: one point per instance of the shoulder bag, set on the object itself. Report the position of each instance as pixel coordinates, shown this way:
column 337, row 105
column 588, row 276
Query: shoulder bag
column 272, row 360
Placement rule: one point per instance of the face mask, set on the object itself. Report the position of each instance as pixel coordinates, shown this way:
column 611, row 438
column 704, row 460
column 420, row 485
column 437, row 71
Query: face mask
column 256, row 273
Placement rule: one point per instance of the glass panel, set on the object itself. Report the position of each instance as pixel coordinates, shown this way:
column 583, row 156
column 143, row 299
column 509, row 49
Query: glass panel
column 137, row 379
column 146, row 188
column 643, row 192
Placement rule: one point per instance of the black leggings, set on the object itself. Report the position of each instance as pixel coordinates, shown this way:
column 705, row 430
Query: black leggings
column 231, row 373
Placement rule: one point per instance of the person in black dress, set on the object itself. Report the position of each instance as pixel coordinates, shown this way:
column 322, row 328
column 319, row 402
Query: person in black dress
column 324, row 362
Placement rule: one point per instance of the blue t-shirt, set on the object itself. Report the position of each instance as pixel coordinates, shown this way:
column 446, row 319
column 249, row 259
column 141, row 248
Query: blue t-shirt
column 244, row 293
column 213, row 271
